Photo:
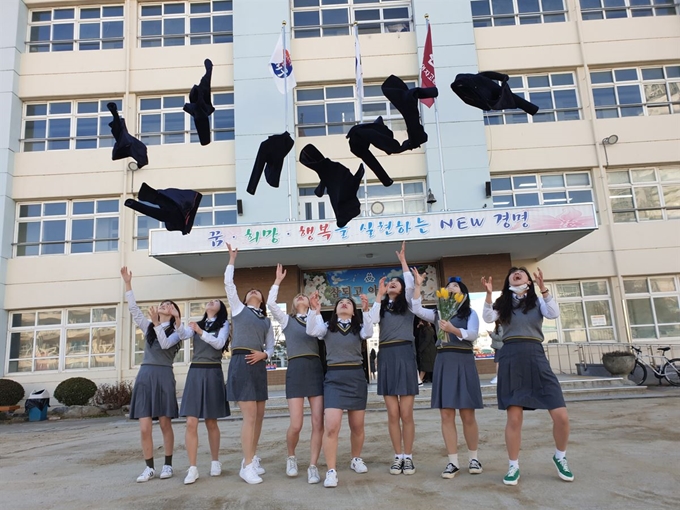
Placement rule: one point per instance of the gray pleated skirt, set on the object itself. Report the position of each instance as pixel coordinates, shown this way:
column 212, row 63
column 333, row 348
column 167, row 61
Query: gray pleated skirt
column 246, row 383
column 304, row 377
column 525, row 378
column 154, row 393
column 397, row 369
column 455, row 381
column 345, row 388
column 204, row 392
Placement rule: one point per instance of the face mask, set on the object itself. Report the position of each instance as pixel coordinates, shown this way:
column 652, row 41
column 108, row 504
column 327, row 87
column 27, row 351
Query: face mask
column 519, row 289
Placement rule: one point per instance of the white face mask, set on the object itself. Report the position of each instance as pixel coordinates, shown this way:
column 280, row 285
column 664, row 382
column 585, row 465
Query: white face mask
column 520, row 289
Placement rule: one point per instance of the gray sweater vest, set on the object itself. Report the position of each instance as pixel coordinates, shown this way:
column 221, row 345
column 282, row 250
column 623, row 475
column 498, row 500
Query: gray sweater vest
column 395, row 327
column 298, row 342
column 205, row 353
column 454, row 341
column 249, row 330
column 154, row 354
column 521, row 325
column 343, row 349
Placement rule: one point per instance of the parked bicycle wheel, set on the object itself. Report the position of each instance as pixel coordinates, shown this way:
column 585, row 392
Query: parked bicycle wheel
column 639, row 374
column 671, row 371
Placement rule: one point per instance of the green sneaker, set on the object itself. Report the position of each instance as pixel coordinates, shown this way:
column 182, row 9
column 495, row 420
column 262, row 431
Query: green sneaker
column 563, row 469
column 512, row 477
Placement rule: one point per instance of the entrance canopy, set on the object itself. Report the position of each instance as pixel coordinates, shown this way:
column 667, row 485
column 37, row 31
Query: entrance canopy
column 524, row 233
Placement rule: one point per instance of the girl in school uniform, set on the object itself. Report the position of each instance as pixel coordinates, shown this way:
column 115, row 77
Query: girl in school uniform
column 455, row 381
column 154, row 394
column 397, row 366
column 252, row 343
column 304, row 377
column 204, row 392
column 525, row 379
column 345, row 386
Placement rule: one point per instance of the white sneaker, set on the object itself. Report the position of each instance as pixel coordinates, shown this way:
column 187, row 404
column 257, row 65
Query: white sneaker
column 146, row 475
column 249, row 473
column 331, row 478
column 192, row 475
column 215, row 468
column 259, row 469
column 313, row 475
column 291, row 466
column 358, row 465
column 166, row 472
column 494, row 380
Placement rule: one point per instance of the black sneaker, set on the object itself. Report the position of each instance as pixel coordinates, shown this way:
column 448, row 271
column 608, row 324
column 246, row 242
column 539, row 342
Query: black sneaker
column 450, row 471
column 409, row 468
column 475, row 467
column 397, row 466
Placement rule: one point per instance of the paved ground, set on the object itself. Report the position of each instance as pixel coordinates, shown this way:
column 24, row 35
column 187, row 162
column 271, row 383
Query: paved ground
column 623, row 453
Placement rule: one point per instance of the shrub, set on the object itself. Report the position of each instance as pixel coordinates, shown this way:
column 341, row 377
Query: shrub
column 10, row 392
column 76, row 391
column 115, row 395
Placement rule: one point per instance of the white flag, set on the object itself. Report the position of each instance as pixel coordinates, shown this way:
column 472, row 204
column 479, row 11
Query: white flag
column 358, row 69
column 281, row 68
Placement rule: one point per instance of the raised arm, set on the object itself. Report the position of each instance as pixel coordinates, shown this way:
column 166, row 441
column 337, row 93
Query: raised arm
column 274, row 308
column 416, row 303
column 367, row 326
column 137, row 315
column 229, row 286
column 408, row 277
column 375, row 309
column 175, row 337
column 315, row 324
column 548, row 305
column 216, row 341
column 488, row 313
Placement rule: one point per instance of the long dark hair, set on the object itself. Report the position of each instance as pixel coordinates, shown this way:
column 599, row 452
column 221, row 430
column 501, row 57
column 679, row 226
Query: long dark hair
column 263, row 306
column 464, row 311
column 355, row 325
column 399, row 304
column 219, row 322
column 504, row 304
column 151, row 336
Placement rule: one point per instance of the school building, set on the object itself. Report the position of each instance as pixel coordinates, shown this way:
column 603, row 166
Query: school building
column 588, row 189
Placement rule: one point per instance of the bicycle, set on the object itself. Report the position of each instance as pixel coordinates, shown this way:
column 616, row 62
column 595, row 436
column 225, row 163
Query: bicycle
column 670, row 370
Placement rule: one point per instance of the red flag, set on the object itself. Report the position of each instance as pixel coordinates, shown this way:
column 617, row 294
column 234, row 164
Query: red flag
column 427, row 69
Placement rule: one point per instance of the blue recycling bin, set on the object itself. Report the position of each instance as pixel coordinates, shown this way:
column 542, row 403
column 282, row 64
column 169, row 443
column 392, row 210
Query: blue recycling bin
column 36, row 405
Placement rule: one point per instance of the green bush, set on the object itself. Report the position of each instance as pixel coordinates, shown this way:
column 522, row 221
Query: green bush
column 76, row 391
column 11, row 392
column 115, row 395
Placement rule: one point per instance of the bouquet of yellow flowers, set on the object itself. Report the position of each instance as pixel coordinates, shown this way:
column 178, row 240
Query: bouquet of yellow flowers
column 447, row 306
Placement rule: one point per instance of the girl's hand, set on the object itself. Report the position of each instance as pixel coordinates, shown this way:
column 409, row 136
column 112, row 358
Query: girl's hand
column 364, row 302
column 487, row 284
column 314, row 301
column 446, row 326
column 153, row 315
column 401, row 254
column 280, row 274
column 255, row 357
column 126, row 274
column 233, row 252
column 196, row 328
column 175, row 314
column 382, row 289
column 538, row 279
column 417, row 277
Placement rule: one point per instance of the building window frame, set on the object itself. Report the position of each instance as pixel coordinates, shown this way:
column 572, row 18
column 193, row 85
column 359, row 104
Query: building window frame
column 216, row 209
column 545, row 188
column 185, row 23
column 635, row 91
column 316, row 18
column 556, row 95
column 586, row 311
column 644, row 194
column 488, row 13
column 610, row 9
column 62, row 340
column 98, row 27
column 656, row 298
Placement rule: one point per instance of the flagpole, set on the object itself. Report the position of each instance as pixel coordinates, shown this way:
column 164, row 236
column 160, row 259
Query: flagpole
column 439, row 136
column 360, row 94
column 285, row 113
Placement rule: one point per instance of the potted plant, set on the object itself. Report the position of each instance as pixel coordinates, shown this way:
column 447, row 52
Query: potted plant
column 619, row 363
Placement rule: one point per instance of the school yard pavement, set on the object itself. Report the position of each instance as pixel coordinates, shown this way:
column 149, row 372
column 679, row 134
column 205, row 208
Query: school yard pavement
column 623, row 454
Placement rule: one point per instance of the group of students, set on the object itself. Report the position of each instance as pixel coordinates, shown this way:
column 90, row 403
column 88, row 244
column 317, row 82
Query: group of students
column 525, row 379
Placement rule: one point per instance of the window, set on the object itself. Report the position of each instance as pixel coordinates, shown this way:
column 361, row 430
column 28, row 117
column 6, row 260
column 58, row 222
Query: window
column 405, row 197
column 62, row 125
column 600, row 9
column 75, row 338
column 636, row 91
column 76, row 28
column 555, row 94
column 487, row 13
column 525, row 190
column 180, row 23
column 333, row 110
column 653, row 307
column 644, row 194
column 585, row 311
column 325, row 18
column 82, row 226
column 215, row 209
column 163, row 121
